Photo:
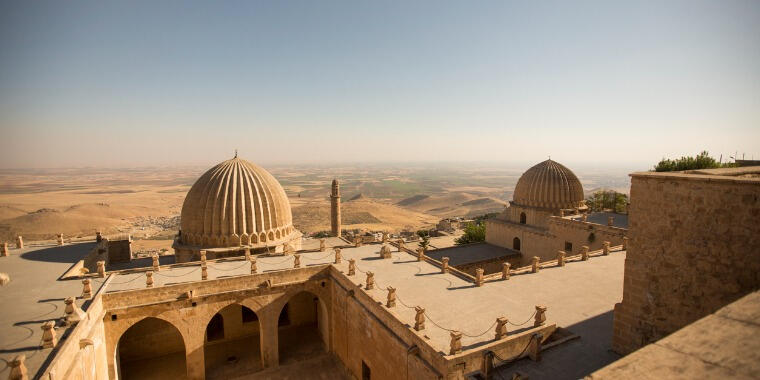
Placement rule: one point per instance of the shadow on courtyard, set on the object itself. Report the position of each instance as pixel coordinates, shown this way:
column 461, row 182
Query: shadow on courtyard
column 59, row 254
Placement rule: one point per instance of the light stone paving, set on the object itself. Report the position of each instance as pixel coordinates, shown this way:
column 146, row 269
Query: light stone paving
column 574, row 293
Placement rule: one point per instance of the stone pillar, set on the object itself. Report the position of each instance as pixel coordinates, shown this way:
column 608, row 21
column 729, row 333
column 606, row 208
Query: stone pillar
column 296, row 261
column 60, row 239
column 505, row 268
column 322, row 244
column 610, row 221
column 49, row 338
column 204, row 271
column 370, row 281
column 561, row 258
column 534, row 352
column 444, row 265
column 86, row 289
column 419, row 318
column 203, row 256
column 269, row 339
column 194, row 354
column 540, row 316
column 4, row 250
column 501, row 328
column 391, row 302
column 479, row 276
column 253, row 265
column 420, row 254
column 606, row 248
column 156, row 266
column 18, row 368
column 456, row 342
column 400, row 245
column 338, row 257
column 351, row 267
column 584, row 217
column 385, row 252
column 625, row 243
column 73, row 313
column 335, row 221
column 101, row 268
column 149, row 279
column 535, row 264
column 19, row 242
column 584, row 253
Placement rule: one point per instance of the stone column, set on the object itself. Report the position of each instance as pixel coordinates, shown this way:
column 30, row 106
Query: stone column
column 296, row 261
column 49, row 338
column 561, row 258
column 584, row 253
column 419, row 318
column 501, row 328
column 505, row 268
column 535, row 264
column 270, row 357
column 456, row 342
column 606, row 248
column 19, row 242
column 391, row 302
column 148, row 279
column 101, row 268
column 18, row 368
column 322, row 244
column 195, row 360
column 338, row 257
column 86, row 289
column 420, row 254
column 444, row 265
column 204, row 271
column 479, row 276
column 4, row 250
column 351, row 267
column 540, row 316
column 370, row 281
column 253, row 265
column 156, row 265
column 60, row 239
column 625, row 243
column 335, row 218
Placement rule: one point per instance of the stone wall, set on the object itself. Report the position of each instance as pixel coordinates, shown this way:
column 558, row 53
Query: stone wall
column 694, row 247
column 533, row 241
column 579, row 233
column 490, row 266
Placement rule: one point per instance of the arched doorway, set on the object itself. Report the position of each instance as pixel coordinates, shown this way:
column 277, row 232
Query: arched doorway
column 232, row 345
column 151, row 349
column 523, row 218
column 302, row 328
column 516, row 244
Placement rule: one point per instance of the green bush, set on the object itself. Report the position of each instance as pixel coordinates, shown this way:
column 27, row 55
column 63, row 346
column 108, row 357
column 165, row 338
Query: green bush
column 610, row 200
column 473, row 233
column 700, row 161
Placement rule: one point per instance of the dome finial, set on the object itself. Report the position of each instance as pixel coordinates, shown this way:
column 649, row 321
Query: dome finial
column 235, row 153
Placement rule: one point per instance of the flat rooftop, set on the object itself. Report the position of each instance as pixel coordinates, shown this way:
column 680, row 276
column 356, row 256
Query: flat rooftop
column 576, row 295
column 472, row 253
column 35, row 295
column 618, row 220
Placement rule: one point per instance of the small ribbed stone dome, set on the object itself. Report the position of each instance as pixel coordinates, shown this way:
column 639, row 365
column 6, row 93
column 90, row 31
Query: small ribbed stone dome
column 236, row 203
column 549, row 185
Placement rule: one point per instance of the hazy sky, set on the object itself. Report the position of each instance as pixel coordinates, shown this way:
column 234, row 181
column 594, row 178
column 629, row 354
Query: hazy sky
column 135, row 83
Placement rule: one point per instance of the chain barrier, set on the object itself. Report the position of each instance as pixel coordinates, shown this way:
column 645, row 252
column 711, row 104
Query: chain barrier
column 179, row 275
column 317, row 258
column 126, row 282
column 528, row 320
column 231, row 269
column 517, row 356
column 277, row 263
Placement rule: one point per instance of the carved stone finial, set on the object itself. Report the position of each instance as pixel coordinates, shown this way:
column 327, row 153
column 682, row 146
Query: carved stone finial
column 49, row 338
column 370, row 281
column 19, row 242
column 561, row 258
column 248, row 254
column 420, row 254
column 584, row 253
column 419, row 318
column 204, row 271
column 391, row 302
column 322, row 244
column 505, row 271
column 296, row 261
column 456, row 342
column 253, row 265
column 445, row 265
column 606, row 248
column 101, row 268
column 351, row 267
column 18, row 368
column 156, row 265
column 540, row 316
column 385, row 252
column 149, row 279
column 479, row 276
column 203, row 256
column 338, row 257
column 400, row 244
column 60, row 239
column 535, row 264
column 86, row 289
column 501, row 328
column 73, row 313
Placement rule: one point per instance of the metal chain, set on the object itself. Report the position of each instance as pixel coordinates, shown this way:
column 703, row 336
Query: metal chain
column 179, row 275
column 317, row 258
column 126, row 282
column 528, row 320
column 517, row 356
column 231, row 269
column 277, row 263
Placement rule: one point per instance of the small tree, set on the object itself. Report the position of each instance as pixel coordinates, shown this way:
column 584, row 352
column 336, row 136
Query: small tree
column 700, row 161
column 611, row 200
column 425, row 239
column 473, row 233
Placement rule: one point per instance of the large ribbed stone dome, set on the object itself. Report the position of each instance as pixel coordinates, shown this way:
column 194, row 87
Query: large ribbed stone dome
column 549, row 185
column 236, row 203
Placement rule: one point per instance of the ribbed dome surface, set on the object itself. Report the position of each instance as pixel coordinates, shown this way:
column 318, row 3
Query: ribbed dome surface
column 235, row 203
column 549, row 185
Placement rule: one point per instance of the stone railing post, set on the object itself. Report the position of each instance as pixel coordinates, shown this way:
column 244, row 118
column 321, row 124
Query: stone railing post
column 203, row 256
column 338, row 258
column 18, row 368
column 606, row 248
column 385, row 237
column 610, row 221
column 420, row 254
column 357, row 241
column 86, row 289
column 419, row 318
column 49, row 338
column 535, row 265
column 296, row 261
column 156, row 266
column 60, row 239
column 456, row 342
column 444, row 265
column 391, row 302
column 101, row 268
column 370, row 281
column 540, row 316
column 98, row 236
column 351, row 267
column 501, row 328
column 254, row 269
column 400, row 245
column 322, row 244
column 19, row 242
column 584, row 253
column 625, row 243
column 561, row 258
column 148, row 279
column 505, row 268
column 479, row 276
column 385, row 252
column 204, row 271
column 72, row 312
column 248, row 254
column 4, row 250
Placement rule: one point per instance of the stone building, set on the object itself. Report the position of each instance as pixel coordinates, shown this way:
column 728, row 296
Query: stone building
column 233, row 207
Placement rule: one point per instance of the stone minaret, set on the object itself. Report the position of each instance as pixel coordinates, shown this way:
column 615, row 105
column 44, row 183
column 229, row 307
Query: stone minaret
column 335, row 208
